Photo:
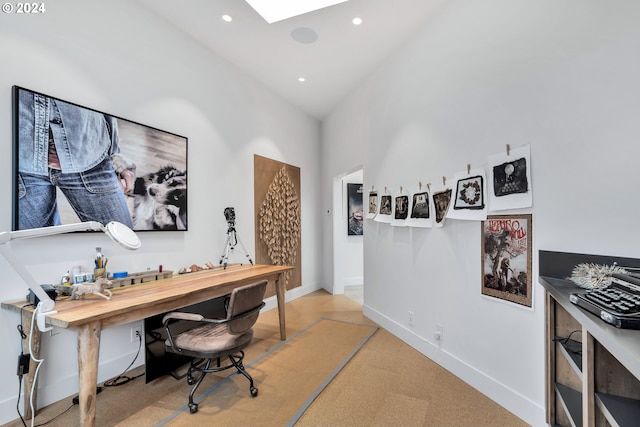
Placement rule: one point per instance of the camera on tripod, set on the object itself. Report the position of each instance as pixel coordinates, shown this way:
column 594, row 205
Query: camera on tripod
column 230, row 215
column 232, row 238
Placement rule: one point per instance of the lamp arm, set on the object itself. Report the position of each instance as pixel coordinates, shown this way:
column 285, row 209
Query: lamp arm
column 50, row 231
column 116, row 231
column 46, row 303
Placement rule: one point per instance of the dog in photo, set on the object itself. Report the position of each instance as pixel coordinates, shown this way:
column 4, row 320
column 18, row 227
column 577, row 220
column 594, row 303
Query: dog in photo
column 160, row 200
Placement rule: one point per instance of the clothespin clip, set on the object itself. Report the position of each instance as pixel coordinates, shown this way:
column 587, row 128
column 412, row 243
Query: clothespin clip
column 508, row 149
column 468, row 168
column 401, row 189
column 385, row 189
column 428, row 186
column 444, row 180
column 420, row 184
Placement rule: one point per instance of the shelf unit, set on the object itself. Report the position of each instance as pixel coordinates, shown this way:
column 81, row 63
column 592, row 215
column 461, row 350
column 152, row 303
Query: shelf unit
column 592, row 368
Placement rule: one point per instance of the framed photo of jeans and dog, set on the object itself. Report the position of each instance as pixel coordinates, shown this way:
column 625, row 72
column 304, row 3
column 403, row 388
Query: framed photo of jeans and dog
column 73, row 163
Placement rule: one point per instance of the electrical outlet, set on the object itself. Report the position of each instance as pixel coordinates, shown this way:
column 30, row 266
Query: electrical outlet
column 136, row 333
column 438, row 334
column 411, row 318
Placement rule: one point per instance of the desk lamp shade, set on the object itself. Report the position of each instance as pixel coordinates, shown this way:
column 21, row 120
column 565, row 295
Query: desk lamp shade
column 123, row 235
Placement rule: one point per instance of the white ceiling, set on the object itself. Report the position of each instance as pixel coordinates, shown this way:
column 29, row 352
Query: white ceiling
column 341, row 57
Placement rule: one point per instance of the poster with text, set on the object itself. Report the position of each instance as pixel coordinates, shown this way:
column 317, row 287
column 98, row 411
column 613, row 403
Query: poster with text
column 506, row 258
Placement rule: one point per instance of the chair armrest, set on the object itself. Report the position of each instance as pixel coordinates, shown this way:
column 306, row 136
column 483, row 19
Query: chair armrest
column 178, row 315
column 194, row 317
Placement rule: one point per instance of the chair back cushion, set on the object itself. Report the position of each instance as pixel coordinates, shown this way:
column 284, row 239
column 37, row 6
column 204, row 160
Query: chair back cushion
column 245, row 299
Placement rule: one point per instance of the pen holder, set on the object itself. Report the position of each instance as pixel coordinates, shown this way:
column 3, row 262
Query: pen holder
column 99, row 272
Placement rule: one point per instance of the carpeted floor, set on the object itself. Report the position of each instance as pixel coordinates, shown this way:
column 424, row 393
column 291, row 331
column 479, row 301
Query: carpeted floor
column 287, row 381
column 385, row 383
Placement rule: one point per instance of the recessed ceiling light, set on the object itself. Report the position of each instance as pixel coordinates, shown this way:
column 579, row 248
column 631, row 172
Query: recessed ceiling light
column 357, row 21
column 227, row 18
column 302, row 79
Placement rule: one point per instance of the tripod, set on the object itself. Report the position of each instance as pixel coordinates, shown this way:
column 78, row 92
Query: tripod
column 230, row 245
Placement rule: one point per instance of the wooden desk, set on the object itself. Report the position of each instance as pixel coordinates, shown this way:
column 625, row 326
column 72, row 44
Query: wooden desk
column 128, row 304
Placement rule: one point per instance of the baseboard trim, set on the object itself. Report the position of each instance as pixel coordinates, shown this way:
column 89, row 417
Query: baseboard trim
column 352, row 281
column 291, row 295
column 521, row 406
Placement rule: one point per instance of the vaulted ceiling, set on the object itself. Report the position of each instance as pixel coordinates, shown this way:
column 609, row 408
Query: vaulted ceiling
column 324, row 47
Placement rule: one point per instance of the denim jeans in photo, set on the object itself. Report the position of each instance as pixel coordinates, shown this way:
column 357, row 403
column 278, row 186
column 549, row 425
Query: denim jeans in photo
column 95, row 195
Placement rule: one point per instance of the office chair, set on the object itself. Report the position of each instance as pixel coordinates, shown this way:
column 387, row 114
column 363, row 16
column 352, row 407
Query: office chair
column 211, row 339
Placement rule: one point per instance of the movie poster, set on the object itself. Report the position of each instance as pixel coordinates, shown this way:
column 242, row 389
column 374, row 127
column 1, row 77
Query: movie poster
column 506, row 258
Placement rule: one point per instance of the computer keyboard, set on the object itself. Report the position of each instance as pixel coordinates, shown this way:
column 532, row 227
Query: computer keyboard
column 617, row 304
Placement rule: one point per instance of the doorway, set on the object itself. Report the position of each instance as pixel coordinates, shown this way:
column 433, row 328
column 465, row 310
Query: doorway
column 348, row 249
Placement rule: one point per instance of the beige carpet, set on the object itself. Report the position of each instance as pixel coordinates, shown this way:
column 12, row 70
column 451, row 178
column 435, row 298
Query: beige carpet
column 387, row 383
column 289, row 378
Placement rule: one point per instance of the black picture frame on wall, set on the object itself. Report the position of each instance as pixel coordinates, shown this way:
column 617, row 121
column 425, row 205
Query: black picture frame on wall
column 72, row 163
column 355, row 210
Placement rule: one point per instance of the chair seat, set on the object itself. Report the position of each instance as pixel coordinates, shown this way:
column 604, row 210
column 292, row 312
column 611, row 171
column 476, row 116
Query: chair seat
column 211, row 339
column 214, row 339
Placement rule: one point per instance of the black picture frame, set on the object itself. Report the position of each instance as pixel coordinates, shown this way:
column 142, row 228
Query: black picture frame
column 470, row 193
column 355, row 210
column 510, row 178
column 401, row 210
column 441, row 201
column 420, row 205
column 153, row 160
column 373, row 202
column 385, row 205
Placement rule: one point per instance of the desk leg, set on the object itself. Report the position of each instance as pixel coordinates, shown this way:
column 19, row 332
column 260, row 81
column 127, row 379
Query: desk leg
column 29, row 378
column 88, row 351
column 280, row 290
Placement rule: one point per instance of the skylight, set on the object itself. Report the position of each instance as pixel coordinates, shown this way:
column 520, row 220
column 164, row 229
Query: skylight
column 278, row 10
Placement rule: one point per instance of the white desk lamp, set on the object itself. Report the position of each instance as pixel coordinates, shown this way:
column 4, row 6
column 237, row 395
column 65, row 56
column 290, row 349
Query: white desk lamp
column 118, row 232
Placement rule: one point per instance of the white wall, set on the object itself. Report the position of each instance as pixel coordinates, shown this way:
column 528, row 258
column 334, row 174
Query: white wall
column 560, row 76
column 116, row 57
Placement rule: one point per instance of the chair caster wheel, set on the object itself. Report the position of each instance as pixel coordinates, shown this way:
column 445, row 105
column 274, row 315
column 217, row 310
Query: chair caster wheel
column 193, row 408
column 254, row 392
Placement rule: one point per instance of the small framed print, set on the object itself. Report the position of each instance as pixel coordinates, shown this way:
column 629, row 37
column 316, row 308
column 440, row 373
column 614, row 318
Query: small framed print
column 441, row 200
column 506, row 258
column 385, row 205
column 420, row 207
column 470, row 193
column 373, row 204
column 510, row 178
column 402, row 207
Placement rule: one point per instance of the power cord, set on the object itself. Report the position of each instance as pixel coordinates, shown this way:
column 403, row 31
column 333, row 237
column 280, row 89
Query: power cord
column 39, row 364
column 565, row 341
column 123, row 379
column 52, row 419
column 117, row 381
column 110, row 383
column 18, row 403
column 22, row 371
column 23, row 368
